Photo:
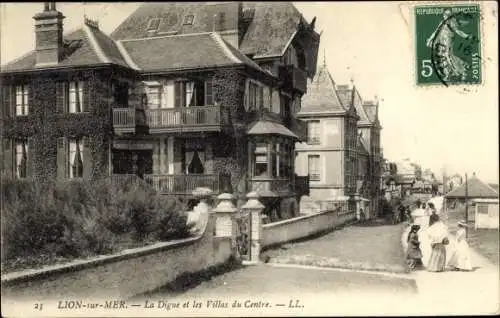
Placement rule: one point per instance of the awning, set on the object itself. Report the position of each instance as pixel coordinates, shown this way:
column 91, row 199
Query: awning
column 270, row 128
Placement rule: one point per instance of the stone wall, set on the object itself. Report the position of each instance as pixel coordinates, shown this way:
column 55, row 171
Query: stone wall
column 302, row 227
column 122, row 275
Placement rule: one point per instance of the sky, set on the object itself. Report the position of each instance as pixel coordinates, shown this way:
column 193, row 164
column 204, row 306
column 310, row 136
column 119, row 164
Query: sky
column 442, row 128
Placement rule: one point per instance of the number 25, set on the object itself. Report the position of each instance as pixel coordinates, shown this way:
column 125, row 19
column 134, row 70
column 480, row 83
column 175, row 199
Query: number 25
column 426, row 68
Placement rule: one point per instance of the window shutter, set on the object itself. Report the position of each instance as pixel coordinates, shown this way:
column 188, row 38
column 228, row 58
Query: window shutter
column 61, row 97
column 178, row 92
column 7, row 102
column 62, row 158
column 8, row 157
column 156, row 158
column 30, row 156
column 87, row 159
column 261, row 97
column 85, row 98
column 208, row 93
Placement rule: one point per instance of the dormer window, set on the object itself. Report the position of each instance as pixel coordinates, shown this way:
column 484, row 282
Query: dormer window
column 188, row 20
column 153, row 24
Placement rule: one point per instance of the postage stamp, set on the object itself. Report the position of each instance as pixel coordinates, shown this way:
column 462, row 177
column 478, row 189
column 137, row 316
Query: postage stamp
column 448, row 44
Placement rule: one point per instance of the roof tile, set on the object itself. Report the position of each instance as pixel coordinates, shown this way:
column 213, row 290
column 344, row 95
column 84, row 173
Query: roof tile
column 321, row 94
column 475, row 189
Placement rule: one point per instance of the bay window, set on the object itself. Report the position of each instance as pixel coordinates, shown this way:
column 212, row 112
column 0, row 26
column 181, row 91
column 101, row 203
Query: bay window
column 271, row 159
column 260, row 160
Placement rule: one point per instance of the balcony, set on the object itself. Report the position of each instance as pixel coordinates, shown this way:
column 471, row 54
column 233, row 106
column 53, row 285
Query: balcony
column 293, row 78
column 188, row 119
column 127, row 120
column 184, row 184
column 264, row 186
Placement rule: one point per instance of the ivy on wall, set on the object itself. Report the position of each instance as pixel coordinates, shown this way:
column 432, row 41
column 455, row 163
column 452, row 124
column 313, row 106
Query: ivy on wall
column 45, row 125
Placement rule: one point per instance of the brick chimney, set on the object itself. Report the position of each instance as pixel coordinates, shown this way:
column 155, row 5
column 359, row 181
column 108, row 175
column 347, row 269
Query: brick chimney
column 49, row 35
column 371, row 108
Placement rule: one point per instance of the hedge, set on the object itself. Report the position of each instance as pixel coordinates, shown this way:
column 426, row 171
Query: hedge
column 44, row 222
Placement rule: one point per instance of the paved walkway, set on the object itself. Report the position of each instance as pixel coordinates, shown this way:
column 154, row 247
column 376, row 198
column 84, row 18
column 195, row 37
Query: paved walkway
column 374, row 246
column 459, row 293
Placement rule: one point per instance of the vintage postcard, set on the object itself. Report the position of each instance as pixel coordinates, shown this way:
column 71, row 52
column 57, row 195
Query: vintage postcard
column 181, row 159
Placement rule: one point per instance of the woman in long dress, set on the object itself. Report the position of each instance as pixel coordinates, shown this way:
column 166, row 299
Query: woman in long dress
column 438, row 239
column 441, row 41
column 460, row 259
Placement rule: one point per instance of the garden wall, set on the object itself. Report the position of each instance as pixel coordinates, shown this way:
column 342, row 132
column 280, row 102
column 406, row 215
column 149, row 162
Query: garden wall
column 303, row 226
column 122, row 275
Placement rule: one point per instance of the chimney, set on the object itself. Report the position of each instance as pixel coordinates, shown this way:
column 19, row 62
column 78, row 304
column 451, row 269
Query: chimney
column 371, row 109
column 49, row 35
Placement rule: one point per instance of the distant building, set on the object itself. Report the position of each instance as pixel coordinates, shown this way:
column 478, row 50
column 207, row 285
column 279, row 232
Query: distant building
column 342, row 154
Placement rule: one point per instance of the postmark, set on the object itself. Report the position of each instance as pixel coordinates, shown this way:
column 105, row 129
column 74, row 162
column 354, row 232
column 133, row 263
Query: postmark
column 448, row 44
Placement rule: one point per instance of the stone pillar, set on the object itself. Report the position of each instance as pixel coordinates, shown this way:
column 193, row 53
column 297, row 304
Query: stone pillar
column 254, row 209
column 225, row 223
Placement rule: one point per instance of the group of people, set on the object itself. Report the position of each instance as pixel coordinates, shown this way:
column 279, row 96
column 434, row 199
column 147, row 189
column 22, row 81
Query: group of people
column 428, row 238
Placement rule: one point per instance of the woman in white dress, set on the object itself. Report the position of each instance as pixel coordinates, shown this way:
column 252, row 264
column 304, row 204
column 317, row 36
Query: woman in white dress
column 460, row 260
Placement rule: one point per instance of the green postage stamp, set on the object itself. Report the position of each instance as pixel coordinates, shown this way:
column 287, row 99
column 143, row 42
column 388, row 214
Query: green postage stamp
column 448, row 44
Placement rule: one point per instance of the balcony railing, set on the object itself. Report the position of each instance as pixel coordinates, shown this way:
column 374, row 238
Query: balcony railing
column 126, row 120
column 293, row 78
column 195, row 118
column 271, row 185
column 185, row 184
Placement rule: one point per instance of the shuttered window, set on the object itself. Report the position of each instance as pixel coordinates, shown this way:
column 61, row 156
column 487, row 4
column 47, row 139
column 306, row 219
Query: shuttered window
column 209, row 93
column 314, row 167
column 154, row 96
column 255, row 96
column 313, row 132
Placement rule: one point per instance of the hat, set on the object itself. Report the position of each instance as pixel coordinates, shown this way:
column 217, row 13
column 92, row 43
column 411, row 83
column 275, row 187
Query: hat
column 415, row 227
column 462, row 223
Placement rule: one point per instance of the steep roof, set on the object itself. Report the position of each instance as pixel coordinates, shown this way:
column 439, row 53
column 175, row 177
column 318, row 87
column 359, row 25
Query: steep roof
column 183, row 52
column 475, row 189
column 84, row 46
column 271, row 29
column 321, row 94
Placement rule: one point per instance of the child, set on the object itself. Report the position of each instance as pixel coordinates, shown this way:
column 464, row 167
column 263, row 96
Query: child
column 414, row 255
column 460, row 259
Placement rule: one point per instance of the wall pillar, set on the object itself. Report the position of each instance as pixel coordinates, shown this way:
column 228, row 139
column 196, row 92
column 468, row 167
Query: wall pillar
column 225, row 224
column 253, row 210
column 162, row 155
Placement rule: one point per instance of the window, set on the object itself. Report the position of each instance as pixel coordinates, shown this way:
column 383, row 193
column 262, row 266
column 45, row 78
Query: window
column 209, row 92
column 222, row 21
column 255, row 96
column 482, row 209
column 22, row 92
column 189, row 93
column 75, row 97
column 260, row 160
column 313, row 132
column 75, row 163
column 122, row 91
column 314, row 167
column 153, row 95
column 153, row 24
column 21, row 158
column 188, row 20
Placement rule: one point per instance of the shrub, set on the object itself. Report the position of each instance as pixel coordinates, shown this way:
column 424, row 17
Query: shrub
column 81, row 218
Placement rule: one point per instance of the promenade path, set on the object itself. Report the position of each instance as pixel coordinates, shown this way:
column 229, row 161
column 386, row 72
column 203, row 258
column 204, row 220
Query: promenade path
column 373, row 245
